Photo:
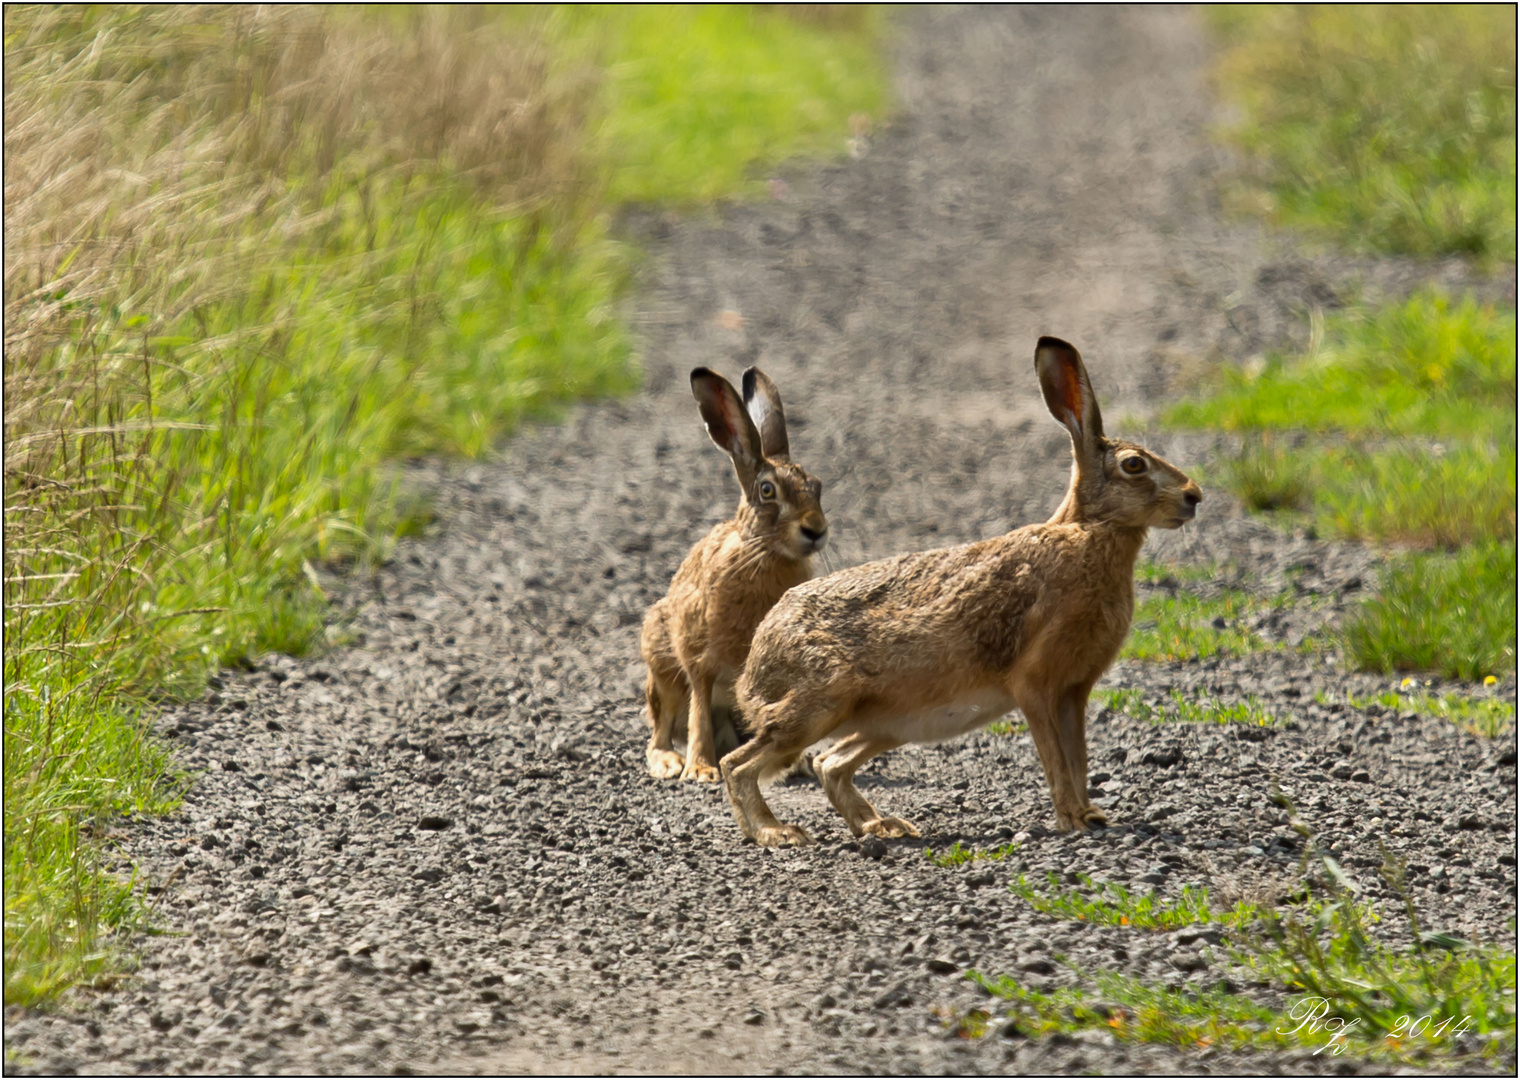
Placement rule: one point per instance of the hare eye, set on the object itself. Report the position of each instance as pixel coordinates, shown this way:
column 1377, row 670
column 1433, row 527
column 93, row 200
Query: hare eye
column 767, row 490
column 1133, row 465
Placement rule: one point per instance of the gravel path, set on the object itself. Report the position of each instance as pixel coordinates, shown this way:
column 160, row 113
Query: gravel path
column 436, row 850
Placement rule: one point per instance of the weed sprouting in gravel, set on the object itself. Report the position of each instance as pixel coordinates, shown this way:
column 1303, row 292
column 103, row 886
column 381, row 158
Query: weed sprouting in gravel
column 1488, row 717
column 1180, row 708
column 956, row 855
column 1132, row 1010
column 1347, row 987
column 1180, row 625
column 1425, row 995
column 1111, row 904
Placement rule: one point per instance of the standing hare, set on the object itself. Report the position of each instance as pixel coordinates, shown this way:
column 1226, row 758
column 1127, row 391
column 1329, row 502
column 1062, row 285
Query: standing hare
column 928, row 646
column 696, row 638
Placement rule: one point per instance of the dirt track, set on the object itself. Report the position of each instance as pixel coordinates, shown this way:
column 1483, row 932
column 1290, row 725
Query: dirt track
column 437, row 851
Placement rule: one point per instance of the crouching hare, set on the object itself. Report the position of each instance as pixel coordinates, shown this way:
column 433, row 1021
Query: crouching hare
column 696, row 638
column 928, row 646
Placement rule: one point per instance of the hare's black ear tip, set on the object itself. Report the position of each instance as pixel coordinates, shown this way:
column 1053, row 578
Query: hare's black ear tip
column 748, row 381
column 1048, row 342
column 700, row 375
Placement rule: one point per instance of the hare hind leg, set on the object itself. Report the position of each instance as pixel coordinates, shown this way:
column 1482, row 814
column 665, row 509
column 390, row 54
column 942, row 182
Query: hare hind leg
column 665, row 697
column 782, row 733
column 836, row 771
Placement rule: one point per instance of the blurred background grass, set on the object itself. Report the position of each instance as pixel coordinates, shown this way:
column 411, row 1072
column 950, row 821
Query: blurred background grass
column 255, row 253
column 1379, row 127
column 1385, row 129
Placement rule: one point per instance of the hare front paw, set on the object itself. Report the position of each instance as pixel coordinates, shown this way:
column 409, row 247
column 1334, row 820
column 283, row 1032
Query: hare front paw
column 1092, row 818
column 702, row 774
column 664, row 764
column 889, row 828
column 1089, row 817
column 782, row 836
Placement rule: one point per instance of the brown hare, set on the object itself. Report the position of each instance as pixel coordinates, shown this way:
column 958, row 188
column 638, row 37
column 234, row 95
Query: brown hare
column 696, row 638
column 928, row 646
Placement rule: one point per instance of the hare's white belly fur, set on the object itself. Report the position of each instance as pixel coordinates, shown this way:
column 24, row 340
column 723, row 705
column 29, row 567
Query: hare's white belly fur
column 944, row 720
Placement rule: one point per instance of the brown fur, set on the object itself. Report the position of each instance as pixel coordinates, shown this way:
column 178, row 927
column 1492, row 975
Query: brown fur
column 697, row 637
column 928, row 646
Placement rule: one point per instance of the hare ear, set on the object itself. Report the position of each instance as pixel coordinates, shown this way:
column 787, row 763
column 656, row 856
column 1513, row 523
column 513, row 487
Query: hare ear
column 764, row 405
column 728, row 425
column 1068, row 393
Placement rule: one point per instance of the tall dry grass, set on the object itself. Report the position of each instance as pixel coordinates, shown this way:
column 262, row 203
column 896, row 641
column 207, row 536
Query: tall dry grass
column 169, row 172
column 235, row 242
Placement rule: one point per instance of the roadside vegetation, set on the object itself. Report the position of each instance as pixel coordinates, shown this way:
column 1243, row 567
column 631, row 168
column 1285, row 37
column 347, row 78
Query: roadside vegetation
column 1489, row 717
column 1178, row 707
column 1183, row 625
column 1381, row 128
column 957, row 855
column 1386, row 129
column 257, row 254
column 1111, row 904
column 1401, row 992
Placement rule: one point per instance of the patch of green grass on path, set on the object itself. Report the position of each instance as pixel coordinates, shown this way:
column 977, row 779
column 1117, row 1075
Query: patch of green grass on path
column 696, row 100
column 1398, row 428
column 1320, row 957
column 1179, row 708
column 1111, row 904
column 1380, row 127
column 956, row 855
column 1488, row 717
column 1183, row 625
column 1437, row 612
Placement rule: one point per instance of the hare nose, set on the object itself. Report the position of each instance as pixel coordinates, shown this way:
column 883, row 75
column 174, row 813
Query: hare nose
column 1192, row 498
column 813, row 535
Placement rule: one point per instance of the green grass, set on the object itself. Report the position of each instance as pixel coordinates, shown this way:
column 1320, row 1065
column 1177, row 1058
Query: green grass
column 1323, row 953
column 1386, row 129
column 1329, row 950
column 1381, row 128
column 1335, row 956
column 1184, row 626
column 1167, row 574
column 1427, row 366
column 1180, row 708
column 1400, row 428
column 61, row 912
column 253, row 262
column 1437, row 612
column 677, row 125
column 1111, row 904
column 1398, row 494
column 956, row 855
column 1488, row 717
column 1131, row 1010
column 1177, row 708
